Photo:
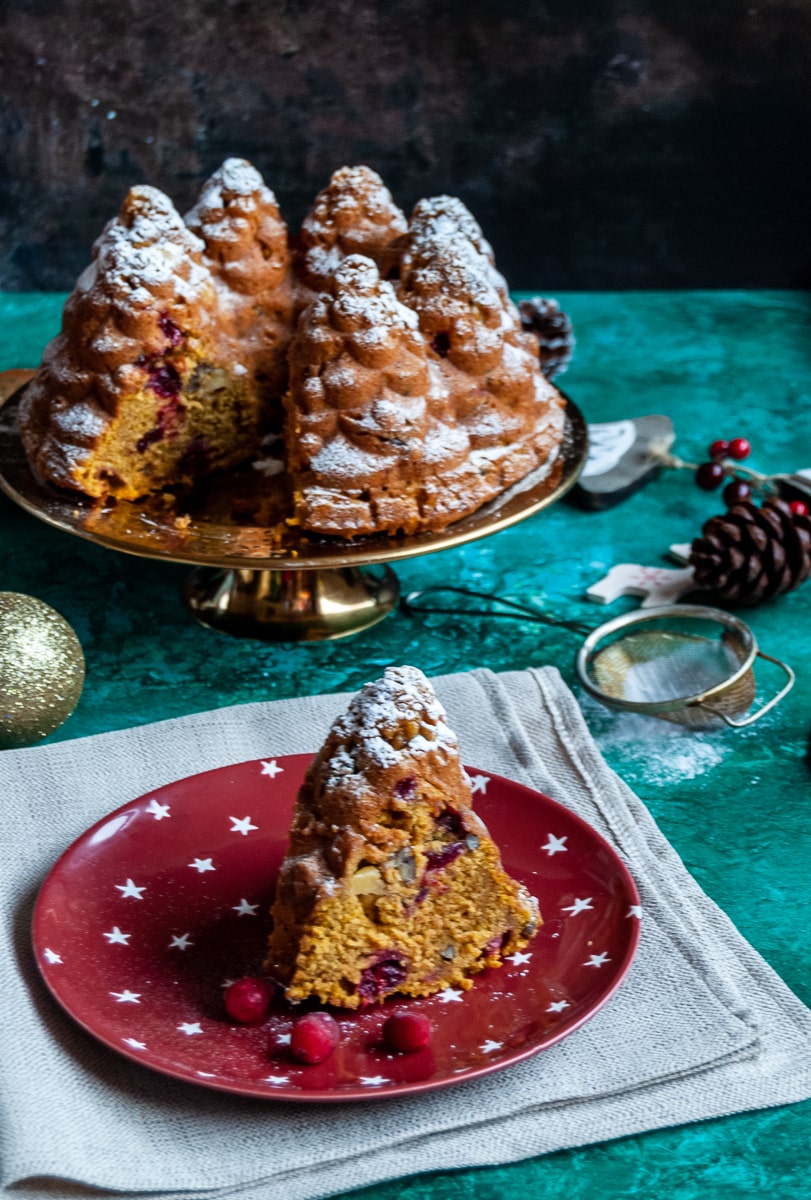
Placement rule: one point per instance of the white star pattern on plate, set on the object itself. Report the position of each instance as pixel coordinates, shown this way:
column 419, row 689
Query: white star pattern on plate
column 51, row 956
column 635, row 911
column 597, row 960
column 159, row 811
column 242, row 825
column 579, row 906
column 136, row 1045
column 489, row 1046
column 283, row 1039
column 276, row 1079
column 244, row 909
column 449, row 995
column 558, row 1006
column 127, row 997
column 271, row 768
column 555, row 844
column 202, row 865
column 478, row 783
column 130, row 889
column 189, row 1027
column 374, row 1080
column 180, row 942
column 116, row 938
column 518, row 959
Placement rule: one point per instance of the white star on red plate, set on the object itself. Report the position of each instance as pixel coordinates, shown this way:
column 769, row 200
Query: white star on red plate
column 597, row 960
column 373, row 1080
column 276, row 1079
column 159, row 811
column 242, row 825
column 478, row 783
column 519, row 958
column 130, row 889
column 116, row 938
column 449, row 995
column 489, row 1046
column 558, row 1006
column 244, row 909
column 555, row 845
column 579, row 906
column 635, row 911
column 271, row 768
column 189, row 1027
column 202, row 864
column 136, row 1045
column 51, row 956
column 127, row 997
column 180, row 943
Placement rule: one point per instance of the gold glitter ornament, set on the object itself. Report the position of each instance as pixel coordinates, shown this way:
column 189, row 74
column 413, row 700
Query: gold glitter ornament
column 41, row 670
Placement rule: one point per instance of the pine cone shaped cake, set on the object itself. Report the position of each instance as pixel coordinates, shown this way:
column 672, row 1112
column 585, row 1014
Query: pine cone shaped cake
column 512, row 415
column 153, row 379
column 354, row 214
column 363, row 410
column 246, row 251
column 750, row 554
column 391, row 883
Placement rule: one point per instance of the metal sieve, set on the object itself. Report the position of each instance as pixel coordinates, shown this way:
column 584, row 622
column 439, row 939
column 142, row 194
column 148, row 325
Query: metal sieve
column 686, row 663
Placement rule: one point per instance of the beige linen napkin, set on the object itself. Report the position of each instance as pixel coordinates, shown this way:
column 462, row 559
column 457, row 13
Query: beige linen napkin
column 701, row 1027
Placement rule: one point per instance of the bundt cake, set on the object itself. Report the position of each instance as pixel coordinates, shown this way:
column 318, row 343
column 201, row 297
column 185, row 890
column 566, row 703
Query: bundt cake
column 391, row 883
column 389, row 350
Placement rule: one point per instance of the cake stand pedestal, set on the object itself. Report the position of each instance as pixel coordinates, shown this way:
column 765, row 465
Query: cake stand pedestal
column 256, row 576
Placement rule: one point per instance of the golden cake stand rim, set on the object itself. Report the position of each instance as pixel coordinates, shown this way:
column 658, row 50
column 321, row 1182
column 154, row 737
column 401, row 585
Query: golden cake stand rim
column 154, row 539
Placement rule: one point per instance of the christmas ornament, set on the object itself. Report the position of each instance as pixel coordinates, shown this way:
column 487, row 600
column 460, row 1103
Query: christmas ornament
column 752, row 553
column 623, row 457
column 41, row 670
column 553, row 330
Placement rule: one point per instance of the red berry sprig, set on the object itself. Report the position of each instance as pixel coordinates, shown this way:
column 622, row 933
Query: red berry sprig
column 725, row 456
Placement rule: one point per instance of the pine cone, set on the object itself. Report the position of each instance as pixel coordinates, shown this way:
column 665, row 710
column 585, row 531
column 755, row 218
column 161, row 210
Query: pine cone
column 553, row 330
column 749, row 554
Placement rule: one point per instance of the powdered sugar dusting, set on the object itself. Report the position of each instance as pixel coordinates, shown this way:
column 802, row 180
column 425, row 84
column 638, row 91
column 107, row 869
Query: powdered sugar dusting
column 384, row 712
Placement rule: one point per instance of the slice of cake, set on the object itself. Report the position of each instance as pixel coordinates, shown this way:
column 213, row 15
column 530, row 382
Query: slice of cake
column 391, row 883
column 155, row 378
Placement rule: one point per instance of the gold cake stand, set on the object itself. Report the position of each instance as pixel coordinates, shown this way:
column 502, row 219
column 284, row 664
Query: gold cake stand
column 255, row 575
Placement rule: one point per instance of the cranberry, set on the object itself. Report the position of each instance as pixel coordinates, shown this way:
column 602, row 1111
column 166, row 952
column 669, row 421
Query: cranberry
column 739, row 448
column 405, row 1032
column 314, row 1037
column 406, row 789
column 165, row 381
column 719, row 448
column 172, row 333
column 441, row 344
column 382, row 977
column 736, row 492
column 437, row 859
column 709, row 476
column 151, row 435
column 451, row 820
column 799, row 508
column 247, row 1000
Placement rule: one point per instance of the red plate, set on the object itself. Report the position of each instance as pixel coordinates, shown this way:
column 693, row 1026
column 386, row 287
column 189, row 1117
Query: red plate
column 144, row 918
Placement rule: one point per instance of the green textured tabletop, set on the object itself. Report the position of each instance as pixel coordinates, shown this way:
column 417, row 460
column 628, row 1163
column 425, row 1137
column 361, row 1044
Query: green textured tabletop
column 735, row 804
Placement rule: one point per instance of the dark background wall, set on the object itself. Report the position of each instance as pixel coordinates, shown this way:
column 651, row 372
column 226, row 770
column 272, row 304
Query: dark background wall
column 601, row 143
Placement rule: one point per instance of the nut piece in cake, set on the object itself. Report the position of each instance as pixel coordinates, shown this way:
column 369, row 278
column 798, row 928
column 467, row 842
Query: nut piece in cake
column 391, row 883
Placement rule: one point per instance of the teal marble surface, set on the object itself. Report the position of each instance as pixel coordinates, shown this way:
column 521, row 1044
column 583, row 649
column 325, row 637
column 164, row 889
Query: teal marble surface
column 736, row 804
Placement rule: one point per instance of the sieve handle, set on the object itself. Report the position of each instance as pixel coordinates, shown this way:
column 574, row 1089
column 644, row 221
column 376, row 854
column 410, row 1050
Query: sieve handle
column 761, row 712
